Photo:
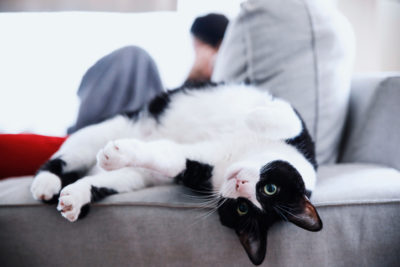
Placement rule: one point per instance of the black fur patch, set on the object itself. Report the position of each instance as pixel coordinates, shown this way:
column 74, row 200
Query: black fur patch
column 190, row 84
column 131, row 114
column 160, row 103
column 53, row 200
column 157, row 106
column 99, row 193
column 196, row 176
column 308, row 193
column 56, row 166
column 304, row 144
column 284, row 175
column 250, row 227
column 84, row 211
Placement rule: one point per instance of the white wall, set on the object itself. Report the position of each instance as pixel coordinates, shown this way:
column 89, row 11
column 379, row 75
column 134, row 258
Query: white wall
column 88, row 5
column 389, row 35
column 377, row 27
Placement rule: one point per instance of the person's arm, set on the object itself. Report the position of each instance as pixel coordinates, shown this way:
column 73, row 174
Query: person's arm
column 204, row 62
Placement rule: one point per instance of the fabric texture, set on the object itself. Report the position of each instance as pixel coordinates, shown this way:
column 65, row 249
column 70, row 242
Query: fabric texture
column 166, row 226
column 300, row 50
column 377, row 138
column 363, row 89
column 23, row 154
column 122, row 81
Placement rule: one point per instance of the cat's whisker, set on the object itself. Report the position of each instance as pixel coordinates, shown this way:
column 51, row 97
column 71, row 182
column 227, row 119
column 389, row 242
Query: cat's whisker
column 280, row 214
column 290, row 213
column 205, row 192
column 290, row 208
column 207, row 205
column 208, row 198
column 199, row 197
column 199, row 218
column 210, row 206
column 212, row 203
column 213, row 210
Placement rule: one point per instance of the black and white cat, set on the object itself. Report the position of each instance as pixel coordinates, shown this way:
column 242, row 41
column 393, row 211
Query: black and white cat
column 247, row 148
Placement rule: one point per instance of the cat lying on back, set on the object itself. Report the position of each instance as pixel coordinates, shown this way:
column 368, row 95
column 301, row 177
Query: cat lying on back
column 250, row 150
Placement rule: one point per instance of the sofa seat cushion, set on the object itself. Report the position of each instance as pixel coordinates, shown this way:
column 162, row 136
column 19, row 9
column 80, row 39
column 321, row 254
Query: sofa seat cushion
column 337, row 184
column 165, row 226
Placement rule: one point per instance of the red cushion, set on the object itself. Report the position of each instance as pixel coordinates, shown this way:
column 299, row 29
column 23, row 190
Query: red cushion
column 23, row 154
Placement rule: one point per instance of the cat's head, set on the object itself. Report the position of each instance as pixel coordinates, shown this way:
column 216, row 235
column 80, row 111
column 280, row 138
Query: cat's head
column 251, row 202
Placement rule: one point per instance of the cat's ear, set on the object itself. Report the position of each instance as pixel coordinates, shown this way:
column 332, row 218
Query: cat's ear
column 254, row 241
column 305, row 216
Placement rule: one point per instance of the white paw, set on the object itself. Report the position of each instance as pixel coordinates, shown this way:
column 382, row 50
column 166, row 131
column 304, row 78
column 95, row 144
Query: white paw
column 117, row 154
column 45, row 186
column 72, row 198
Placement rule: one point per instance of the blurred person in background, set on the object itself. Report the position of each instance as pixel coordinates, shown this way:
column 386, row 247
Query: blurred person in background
column 208, row 32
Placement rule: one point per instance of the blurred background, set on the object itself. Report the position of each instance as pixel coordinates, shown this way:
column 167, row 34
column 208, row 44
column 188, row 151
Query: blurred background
column 46, row 47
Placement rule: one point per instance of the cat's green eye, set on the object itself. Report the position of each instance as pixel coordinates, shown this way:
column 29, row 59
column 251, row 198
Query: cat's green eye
column 242, row 209
column 270, row 189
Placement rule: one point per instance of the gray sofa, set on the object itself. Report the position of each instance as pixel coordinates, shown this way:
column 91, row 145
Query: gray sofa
column 358, row 200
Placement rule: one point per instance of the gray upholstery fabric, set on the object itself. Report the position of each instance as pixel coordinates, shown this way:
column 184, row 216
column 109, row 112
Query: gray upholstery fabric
column 377, row 138
column 363, row 88
column 161, row 226
column 300, row 50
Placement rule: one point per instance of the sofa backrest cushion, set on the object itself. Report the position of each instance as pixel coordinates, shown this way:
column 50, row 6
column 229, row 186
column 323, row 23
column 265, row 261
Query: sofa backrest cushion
column 301, row 51
column 373, row 126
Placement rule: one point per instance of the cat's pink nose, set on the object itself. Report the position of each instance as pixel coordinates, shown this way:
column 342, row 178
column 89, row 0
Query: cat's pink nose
column 240, row 184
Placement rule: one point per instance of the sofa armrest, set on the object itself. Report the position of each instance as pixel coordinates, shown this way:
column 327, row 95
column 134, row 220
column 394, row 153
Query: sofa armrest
column 373, row 124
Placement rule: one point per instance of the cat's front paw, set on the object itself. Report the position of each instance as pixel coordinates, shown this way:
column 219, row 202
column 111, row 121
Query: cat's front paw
column 45, row 186
column 112, row 156
column 121, row 153
column 72, row 198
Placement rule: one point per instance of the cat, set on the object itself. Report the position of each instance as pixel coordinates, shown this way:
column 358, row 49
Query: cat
column 248, row 149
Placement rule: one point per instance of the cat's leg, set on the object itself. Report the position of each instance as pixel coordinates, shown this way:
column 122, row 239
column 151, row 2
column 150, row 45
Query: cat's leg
column 191, row 164
column 163, row 156
column 75, row 198
column 276, row 120
column 77, row 156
